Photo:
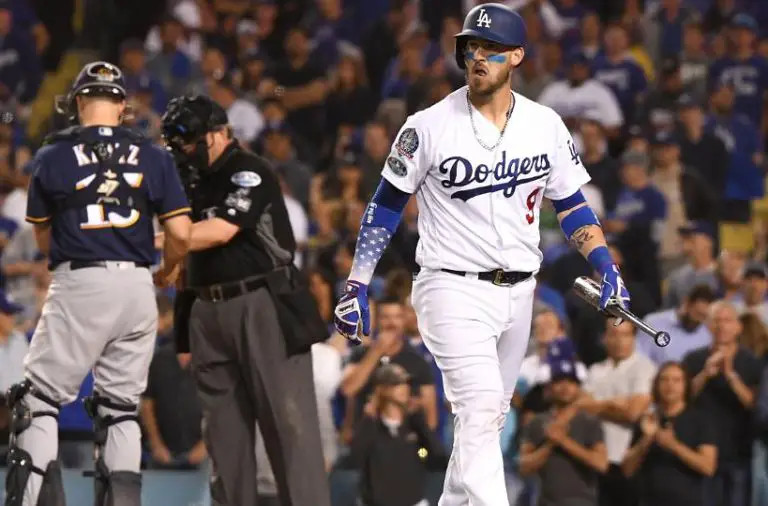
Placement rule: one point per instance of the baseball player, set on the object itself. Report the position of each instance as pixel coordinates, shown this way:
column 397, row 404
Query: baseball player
column 479, row 162
column 94, row 193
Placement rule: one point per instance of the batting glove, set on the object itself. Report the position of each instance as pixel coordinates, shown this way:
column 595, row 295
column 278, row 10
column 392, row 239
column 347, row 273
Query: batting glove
column 613, row 288
column 352, row 315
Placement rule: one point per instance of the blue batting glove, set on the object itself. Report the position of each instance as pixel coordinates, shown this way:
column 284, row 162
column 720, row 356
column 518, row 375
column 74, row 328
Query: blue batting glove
column 613, row 288
column 352, row 315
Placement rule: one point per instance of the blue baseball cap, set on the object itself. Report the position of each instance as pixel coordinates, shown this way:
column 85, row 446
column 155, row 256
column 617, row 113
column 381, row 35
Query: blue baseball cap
column 576, row 57
column 563, row 370
column 697, row 227
column 8, row 307
column 665, row 138
column 743, row 20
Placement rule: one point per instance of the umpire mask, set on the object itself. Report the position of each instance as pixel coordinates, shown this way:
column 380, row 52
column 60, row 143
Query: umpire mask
column 186, row 122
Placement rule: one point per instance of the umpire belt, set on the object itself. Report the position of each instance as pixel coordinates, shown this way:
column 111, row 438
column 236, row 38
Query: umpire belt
column 227, row 291
column 498, row 277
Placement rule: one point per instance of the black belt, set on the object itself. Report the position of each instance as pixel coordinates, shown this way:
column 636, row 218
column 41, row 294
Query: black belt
column 227, row 291
column 102, row 264
column 497, row 277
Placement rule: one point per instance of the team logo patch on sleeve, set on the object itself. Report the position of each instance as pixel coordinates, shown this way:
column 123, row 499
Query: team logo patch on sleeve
column 397, row 166
column 408, row 143
column 246, row 179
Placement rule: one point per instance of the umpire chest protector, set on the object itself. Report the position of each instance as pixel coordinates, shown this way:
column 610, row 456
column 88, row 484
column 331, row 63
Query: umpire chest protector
column 115, row 186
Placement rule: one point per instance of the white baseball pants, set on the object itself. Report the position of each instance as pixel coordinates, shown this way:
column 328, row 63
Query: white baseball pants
column 478, row 334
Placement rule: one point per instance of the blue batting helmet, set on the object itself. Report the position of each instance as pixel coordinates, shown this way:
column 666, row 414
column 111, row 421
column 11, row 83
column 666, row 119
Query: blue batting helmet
column 493, row 22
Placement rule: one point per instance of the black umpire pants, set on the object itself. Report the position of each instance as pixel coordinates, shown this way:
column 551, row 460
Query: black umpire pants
column 243, row 374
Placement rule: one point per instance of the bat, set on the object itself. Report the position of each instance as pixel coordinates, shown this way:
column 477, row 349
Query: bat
column 589, row 290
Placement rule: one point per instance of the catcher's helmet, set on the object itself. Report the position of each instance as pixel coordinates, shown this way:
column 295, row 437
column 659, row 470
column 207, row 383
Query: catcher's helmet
column 493, row 22
column 100, row 79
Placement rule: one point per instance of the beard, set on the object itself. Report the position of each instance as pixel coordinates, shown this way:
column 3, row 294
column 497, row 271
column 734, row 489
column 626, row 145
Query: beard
column 486, row 88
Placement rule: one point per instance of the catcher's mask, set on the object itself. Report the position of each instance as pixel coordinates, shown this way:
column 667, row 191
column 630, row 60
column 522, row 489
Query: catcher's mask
column 96, row 79
column 186, row 122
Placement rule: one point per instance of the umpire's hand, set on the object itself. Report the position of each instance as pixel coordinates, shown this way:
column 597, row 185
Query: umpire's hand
column 352, row 316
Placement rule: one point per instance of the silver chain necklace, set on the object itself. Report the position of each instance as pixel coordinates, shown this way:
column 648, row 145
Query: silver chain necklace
column 504, row 129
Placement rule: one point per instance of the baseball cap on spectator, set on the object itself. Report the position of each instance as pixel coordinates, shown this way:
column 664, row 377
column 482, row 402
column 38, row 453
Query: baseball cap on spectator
column 349, row 158
column 280, row 128
column 636, row 159
column 247, row 27
column 637, row 130
column 389, row 375
column 745, row 21
column 563, row 369
column 756, row 269
column 665, row 138
column 7, row 306
column 697, row 227
column 576, row 57
column 688, row 101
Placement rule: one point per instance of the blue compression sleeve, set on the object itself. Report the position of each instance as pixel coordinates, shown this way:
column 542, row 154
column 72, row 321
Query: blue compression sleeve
column 380, row 220
column 569, row 202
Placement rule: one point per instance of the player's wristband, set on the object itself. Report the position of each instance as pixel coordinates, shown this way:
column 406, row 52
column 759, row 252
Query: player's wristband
column 600, row 259
column 581, row 217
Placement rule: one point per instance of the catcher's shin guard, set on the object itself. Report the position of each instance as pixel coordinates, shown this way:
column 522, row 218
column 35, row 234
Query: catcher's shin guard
column 20, row 465
column 112, row 488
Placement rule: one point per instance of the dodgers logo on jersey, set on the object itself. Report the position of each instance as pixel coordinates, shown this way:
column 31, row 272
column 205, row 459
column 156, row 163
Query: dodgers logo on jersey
column 507, row 175
column 246, row 179
column 408, row 143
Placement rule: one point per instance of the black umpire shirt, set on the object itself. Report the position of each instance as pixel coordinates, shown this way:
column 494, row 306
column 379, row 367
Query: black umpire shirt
column 241, row 189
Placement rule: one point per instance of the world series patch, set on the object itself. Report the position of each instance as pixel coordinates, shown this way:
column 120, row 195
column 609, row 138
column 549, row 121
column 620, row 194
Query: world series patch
column 408, row 143
column 397, row 166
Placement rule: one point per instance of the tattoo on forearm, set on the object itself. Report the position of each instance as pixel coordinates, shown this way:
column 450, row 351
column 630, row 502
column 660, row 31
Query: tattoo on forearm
column 581, row 237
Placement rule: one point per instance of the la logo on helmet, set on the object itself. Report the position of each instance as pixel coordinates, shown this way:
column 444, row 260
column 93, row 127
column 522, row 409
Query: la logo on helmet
column 484, row 19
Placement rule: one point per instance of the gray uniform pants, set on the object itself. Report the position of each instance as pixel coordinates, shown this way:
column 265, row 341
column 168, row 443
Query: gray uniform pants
column 244, row 375
column 104, row 319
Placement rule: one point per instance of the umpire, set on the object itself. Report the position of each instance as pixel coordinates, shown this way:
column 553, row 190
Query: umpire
column 251, row 320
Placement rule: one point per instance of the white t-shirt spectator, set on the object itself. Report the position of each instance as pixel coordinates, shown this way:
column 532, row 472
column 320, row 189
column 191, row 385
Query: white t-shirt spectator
column 592, row 99
column 15, row 207
column 188, row 13
column 246, row 120
column 299, row 224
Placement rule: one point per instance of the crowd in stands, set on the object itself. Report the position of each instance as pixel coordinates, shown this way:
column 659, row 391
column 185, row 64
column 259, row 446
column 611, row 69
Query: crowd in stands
column 666, row 101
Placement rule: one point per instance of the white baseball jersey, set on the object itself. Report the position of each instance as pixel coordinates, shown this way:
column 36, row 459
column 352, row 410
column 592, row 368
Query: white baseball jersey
column 479, row 209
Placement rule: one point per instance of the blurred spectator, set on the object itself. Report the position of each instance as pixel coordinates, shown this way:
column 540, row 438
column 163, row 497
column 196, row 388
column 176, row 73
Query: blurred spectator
column 143, row 116
column 565, row 447
column 390, row 346
column 20, row 70
column 618, row 71
column 754, row 291
column 686, row 325
column 702, row 150
column 188, row 13
column 694, row 61
column 250, row 74
column 754, row 337
column 23, row 267
column 760, row 456
column 724, row 380
column 664, row 31
column 376, row 145
column 591, row 30
column 169, row 63
column 659, row 107
column 13, row 344
column 719, row 14
column 164, row 320
column 332, row 26
column 14, row 205
column 351, row 101
column 744, row 70
column 530, row 79
column 323, row 293
column 245, row 118
column 392, row 444
column 451, row 25
column 170, row 411
column 617, row 391
column 688, row 196
column 547, row 327
column 404, row 74
column 745, row 177
column 299, row 222
column 602, row 168
column 637, row 220
column 700, row 267
column 133, row 65
column 730, row 274
column 580, row 96
column 300, row 86
column 673, row 447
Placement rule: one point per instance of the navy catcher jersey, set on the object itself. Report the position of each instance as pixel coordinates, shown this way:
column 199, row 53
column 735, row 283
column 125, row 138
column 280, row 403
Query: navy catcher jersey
column 103, row 210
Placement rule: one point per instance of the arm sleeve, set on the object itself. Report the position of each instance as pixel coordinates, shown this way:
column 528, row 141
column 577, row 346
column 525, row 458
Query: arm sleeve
column 568, row 173
column 408, row 161
column 39, row 204
column 171, row 200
